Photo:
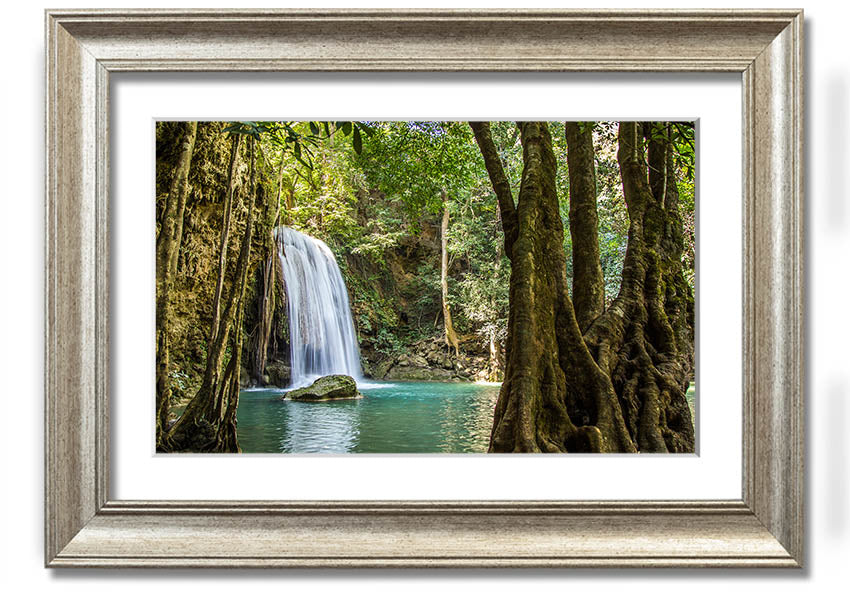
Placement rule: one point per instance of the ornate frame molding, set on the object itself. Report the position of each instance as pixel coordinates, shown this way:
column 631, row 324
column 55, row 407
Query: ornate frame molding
column 85, row 528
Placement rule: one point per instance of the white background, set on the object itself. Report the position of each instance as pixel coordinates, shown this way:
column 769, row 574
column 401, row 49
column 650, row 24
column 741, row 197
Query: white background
column 828, row 387
column 714, row 474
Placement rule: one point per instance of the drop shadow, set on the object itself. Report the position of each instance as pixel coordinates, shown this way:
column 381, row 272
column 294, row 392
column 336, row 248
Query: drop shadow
column 838, row 395
column 422, row 574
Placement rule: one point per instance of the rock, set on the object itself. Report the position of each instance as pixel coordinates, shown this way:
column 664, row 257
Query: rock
column 366, row 367
column 380, row 371
column 330, row 387
column 418, row 374
column 244, row 378
column 278, row 374
column 447, row 362
column 419, row 361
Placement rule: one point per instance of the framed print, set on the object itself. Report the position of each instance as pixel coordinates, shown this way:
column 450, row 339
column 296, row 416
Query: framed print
column 757, row 523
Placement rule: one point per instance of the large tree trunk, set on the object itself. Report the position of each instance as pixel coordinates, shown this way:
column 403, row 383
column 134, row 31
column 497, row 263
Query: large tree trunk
column 678, row 298
column 225, row 235
column 227, row 440
column 550, row 377
column 209, row 422
column 588, row 285
column 620, row 386
column 450, row 333
column 167, row 251
column 648, row 359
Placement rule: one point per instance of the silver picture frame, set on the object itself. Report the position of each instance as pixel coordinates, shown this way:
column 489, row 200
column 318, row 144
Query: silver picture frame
column 84, row 527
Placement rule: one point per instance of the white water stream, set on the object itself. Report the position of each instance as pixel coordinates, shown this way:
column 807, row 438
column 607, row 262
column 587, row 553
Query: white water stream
column 321, row 329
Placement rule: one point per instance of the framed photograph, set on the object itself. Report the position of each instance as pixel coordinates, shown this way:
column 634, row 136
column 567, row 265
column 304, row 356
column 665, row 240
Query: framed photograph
column 486, row 278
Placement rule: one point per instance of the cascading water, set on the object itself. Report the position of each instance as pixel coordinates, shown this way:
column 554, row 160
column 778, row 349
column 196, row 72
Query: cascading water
column 321, row 329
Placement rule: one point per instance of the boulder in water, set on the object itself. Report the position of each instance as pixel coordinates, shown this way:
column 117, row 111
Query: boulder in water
column 278, row 373
column 330, row 387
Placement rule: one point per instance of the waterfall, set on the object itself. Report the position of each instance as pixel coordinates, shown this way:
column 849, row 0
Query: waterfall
column 321, row 330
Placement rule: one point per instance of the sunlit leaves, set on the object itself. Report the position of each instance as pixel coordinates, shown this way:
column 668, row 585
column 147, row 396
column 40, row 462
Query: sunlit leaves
column 414, row 162
column 301, row 139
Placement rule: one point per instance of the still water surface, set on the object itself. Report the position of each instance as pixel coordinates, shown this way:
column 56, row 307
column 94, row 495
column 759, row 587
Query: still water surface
column 391, row 417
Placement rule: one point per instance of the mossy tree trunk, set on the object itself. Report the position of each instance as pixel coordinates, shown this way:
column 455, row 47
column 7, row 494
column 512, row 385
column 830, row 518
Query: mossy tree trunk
column 677, row 297
column 645, row 340
column 226, row 440
column 588, row 285
column 167, row 250
column 265, row 311
column 225, row 234
column 549, row 373
column 620, row 386
column 209, row 422
column 448, row 327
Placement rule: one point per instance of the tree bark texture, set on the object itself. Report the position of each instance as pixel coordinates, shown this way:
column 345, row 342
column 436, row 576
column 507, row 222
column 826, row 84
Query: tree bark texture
column 549, row 372
column 167, row 250
column 225, row 234
column 209, row 422
column 265, row 311
column 448, row 326
column 588, row 284
column 620, row 386
column 644, row 341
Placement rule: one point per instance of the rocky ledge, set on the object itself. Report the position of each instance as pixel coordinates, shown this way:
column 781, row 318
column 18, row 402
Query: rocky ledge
column 431, row 360
column 330, row 387
column 276, row 374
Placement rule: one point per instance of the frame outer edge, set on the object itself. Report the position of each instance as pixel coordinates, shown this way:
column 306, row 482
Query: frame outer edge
column 77, row 295
column 74, row 346
column 774, row 324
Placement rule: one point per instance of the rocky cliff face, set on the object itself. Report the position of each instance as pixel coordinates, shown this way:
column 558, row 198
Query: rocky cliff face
column 432, row 360
column 198, row 258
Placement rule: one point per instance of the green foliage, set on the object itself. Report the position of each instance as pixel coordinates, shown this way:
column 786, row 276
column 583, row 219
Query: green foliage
column 424, row 289
column 686, row 208
column 383, row 232
column 682, row 137
column 374, row 192
column 414, row 162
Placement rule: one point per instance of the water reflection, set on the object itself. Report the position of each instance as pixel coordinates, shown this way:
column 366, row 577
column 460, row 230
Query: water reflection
column 390, row 418
column 330, row 427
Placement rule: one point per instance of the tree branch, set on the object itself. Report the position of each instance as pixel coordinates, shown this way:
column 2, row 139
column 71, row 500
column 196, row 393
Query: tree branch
column 501, row 186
